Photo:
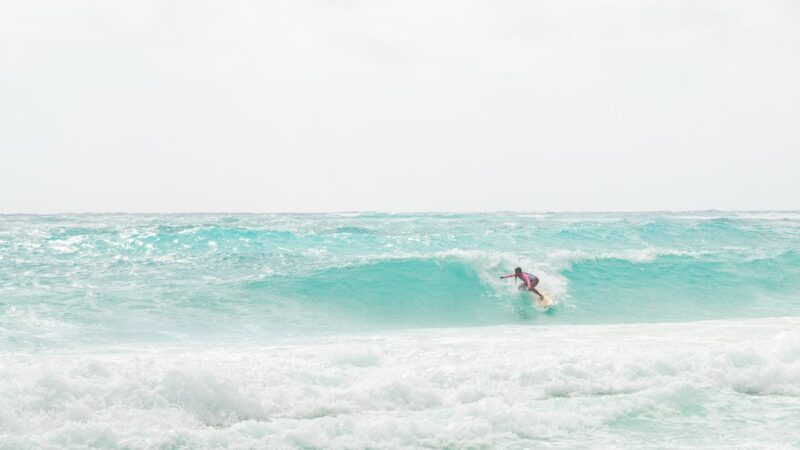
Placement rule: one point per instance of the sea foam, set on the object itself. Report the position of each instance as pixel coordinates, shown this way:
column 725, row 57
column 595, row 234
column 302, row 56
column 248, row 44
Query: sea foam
column 713, row 384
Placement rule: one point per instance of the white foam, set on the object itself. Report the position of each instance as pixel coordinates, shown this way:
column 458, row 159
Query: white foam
column 696, row 385
column 746, row 215
column 490, row 265
column 564, row 258
column 770, row 215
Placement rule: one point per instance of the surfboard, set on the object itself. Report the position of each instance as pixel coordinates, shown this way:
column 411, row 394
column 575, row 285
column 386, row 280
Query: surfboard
column 546, row 302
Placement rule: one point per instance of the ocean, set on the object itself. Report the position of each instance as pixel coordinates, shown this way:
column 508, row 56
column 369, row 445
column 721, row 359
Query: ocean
column 373, row 330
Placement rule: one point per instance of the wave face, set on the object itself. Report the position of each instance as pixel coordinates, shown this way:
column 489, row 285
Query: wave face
column 78, row 279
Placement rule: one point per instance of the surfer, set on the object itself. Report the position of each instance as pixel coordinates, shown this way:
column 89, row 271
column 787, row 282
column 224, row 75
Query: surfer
column 529, row 281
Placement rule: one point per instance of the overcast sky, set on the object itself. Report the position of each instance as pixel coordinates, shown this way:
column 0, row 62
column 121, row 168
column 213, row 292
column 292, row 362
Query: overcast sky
column 262, row 106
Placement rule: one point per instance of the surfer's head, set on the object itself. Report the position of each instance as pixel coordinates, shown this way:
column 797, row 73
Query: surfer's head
column 518, row 271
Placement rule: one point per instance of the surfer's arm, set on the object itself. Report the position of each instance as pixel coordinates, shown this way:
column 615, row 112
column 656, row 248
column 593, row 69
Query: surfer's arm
column 508, row 276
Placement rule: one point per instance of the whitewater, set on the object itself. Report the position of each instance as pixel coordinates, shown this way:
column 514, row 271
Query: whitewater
column 374, row 330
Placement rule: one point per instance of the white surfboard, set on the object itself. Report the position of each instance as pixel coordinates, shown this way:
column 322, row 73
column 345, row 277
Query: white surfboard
column 545, row 302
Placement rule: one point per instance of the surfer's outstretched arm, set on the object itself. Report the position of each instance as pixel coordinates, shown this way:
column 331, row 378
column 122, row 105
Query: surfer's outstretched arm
column 508, row 276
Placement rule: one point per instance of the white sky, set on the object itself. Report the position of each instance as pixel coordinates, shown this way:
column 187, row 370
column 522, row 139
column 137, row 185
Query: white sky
column 197, row 105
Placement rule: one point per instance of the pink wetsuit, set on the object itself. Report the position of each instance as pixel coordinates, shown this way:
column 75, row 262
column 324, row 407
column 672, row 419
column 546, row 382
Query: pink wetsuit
column 526, row 277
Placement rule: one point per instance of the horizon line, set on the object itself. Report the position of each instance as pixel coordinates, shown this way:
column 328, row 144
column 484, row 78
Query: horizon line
column 651, row 211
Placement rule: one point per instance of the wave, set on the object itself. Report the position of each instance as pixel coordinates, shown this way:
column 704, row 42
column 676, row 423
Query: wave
column 449, row 288
column 87, row 278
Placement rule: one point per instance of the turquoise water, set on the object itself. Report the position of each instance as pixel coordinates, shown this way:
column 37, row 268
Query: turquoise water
column 305, row 330
column 108, row 278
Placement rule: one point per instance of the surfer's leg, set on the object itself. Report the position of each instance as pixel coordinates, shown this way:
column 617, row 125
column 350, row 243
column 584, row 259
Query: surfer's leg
column 541, row 297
